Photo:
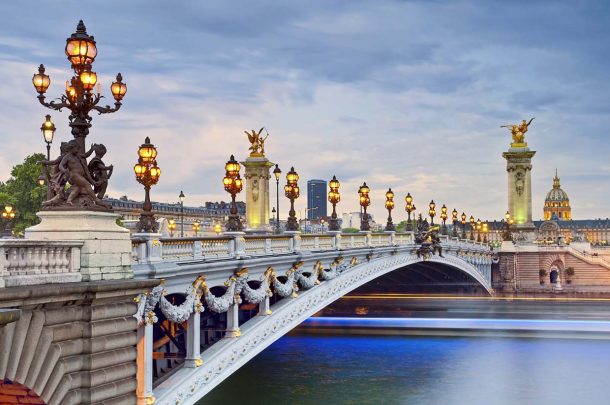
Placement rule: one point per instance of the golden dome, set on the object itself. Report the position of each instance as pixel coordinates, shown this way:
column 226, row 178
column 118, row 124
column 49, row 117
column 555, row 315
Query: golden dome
column 557, row 203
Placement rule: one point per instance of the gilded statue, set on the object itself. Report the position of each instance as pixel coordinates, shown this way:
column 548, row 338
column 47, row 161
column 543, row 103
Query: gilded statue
column 257, row 142
column 518, row 131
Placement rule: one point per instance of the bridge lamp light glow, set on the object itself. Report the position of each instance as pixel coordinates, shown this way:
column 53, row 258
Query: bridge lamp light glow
column 277, row 173
column 291, row 191
column 217, row 228
column 48, row 129
column 444, row 219
column 485, row 228
column 8, row 214
column 171, row 226
column 147, row 173
column 409, row 207
column 233, row 184
column 334, row 196
column 196, row 226
column 389, row 205
column 454, row 220
column 41, row 81
column 472, row 224
column 478, row 228
column 365, row 201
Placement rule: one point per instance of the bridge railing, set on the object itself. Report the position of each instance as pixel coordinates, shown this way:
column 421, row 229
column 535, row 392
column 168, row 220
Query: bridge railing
column 195, row 248
column 28, row 262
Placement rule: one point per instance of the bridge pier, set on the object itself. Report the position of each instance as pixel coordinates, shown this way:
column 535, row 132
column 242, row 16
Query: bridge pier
column 193, row 345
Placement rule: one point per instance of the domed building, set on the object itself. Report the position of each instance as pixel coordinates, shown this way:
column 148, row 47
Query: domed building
column 557, row 203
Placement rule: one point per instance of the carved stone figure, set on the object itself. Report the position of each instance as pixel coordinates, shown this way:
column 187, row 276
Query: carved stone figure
column 427, row 237
column 100, row 173
column 518, row 131
column 58, row 179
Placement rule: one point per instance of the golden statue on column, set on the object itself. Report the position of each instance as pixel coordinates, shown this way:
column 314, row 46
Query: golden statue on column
column 257, row 143
column 518, row 132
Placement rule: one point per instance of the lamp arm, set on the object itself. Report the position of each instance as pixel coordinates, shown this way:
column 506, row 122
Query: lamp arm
column 107, row 109
column 52, row 104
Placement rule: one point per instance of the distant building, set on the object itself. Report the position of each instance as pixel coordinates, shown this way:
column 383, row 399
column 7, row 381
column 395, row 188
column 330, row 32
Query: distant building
column 316, row 199
column 557, row 203
column 207, row 215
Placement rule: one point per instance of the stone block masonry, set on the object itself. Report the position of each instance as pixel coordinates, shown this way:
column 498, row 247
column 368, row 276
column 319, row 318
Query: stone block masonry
column 73, row 343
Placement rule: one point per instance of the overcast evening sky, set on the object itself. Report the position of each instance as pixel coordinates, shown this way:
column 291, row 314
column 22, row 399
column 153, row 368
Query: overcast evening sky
column 401, row 94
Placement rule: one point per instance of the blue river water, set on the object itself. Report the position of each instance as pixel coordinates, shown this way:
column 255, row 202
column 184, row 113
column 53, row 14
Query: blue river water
column 352, row 369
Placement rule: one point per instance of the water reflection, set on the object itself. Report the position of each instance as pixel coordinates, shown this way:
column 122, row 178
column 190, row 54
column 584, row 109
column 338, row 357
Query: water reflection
column 421, row 370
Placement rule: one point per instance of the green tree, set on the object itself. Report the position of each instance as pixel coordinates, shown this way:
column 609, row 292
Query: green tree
column 350, row 230
column 23, row 192
column 401, row 226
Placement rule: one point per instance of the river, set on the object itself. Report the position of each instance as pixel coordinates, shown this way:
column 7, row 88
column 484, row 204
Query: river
column 356, row 369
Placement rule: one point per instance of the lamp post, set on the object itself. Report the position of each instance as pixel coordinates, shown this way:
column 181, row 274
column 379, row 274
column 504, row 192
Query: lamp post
column 181, row 197
column 233, row 184
column 409, row 207
column 444, row 219
column 8, row 215
column 42, row 180
column 432, row 212
column 485, row 231
column 472, row 227
column 334, row 196
column 291, row 190
column 365, row 201
column 507, row 226
column 171, row 225
column 196, row 226
column 389, row 205
column 454, row 219
column 147, row 173
column 479, row 225
column 80, row 96
column 217, row 228
column 273, row 211
column 48, row 132
column 464, row 225
column 277, row 172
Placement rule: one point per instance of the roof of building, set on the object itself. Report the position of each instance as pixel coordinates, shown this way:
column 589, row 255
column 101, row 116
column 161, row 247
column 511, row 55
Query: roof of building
column 556, row 193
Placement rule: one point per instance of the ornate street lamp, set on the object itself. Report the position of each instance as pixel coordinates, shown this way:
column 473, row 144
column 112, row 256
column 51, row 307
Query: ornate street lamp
column 444, row 219
column 291, row 190
column 454, row 219
column 365, row 201
column 409, row 207
column 217, row 228
column 432, row 212
column 277, row 172
column 171, row 226
column 233, row 184
column 479, row 225
column 8, row 215
column 472, row 223
column 334, row 196
column 273, row 212
column 181, row 197
column 508, row 221
column 464, row 225
column 389, row 205
column 485, row 231
column 147, row 173
column 80, row 99
column 196, row 227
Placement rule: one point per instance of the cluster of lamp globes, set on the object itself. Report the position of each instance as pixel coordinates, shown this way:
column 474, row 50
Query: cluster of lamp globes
column 81, row 52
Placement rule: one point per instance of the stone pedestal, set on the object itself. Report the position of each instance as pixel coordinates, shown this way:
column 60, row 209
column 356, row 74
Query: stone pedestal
column 257, row 193
column 106, row 252
column 519, row 167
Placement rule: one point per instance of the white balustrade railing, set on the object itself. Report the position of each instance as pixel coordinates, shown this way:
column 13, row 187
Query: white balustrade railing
column 257, row 245
column 26, row 262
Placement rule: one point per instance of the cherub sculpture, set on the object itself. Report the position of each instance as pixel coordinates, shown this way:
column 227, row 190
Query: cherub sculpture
column 100, row 173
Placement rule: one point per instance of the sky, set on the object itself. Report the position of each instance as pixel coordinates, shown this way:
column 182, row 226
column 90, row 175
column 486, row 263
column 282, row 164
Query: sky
column 402, row 94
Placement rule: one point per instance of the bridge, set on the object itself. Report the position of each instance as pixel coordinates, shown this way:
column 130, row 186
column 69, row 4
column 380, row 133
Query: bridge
column 195, row 310
column 286, row 278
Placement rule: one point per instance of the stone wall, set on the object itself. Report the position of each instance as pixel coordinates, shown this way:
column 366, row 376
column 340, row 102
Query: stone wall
column 73, row 343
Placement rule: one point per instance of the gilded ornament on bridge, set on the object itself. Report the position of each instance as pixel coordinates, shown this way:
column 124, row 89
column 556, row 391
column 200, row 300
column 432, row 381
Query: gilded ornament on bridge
column 518, row 133
column 257, row 143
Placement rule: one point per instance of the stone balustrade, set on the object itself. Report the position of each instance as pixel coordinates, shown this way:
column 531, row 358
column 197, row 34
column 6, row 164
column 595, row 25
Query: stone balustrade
column 240, row 245
column 29, row 262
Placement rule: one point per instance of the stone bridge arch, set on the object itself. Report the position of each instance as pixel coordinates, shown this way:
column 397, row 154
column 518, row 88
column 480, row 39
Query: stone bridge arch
column 188, row 385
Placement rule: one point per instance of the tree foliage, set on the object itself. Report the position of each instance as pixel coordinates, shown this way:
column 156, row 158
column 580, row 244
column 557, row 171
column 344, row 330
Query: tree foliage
column 23, row 192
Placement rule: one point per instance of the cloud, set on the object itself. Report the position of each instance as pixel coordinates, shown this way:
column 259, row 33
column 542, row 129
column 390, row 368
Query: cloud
column 401, row 94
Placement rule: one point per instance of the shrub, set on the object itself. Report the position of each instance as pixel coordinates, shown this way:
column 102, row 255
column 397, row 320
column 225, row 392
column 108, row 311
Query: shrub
column 542, row 272
column 570, row 271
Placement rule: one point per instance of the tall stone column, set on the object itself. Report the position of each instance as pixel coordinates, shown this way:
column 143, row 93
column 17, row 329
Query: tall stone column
column 257, row 193
column 519, row 168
